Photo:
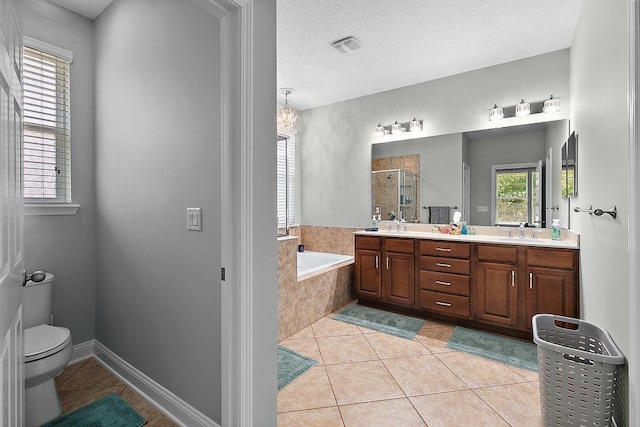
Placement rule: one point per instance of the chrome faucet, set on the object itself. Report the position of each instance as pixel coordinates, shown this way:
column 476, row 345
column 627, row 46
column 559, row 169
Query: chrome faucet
column 521, row 230
column 534, row 232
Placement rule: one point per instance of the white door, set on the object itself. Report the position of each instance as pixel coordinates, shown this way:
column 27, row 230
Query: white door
column 537, row 212
column 11, row 225
column 548, row 187
column 466, row 192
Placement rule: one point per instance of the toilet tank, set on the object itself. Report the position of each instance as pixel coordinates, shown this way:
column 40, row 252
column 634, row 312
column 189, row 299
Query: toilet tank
column 37, row 302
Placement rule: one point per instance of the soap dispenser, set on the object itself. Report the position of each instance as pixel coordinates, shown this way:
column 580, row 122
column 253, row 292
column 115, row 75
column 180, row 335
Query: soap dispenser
column 555, row 231
column 374, row 222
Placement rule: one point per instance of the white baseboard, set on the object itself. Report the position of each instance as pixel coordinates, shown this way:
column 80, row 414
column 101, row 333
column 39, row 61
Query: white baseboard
column 170, row 404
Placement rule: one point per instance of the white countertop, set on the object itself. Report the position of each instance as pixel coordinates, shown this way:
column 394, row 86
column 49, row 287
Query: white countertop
column 498, row 236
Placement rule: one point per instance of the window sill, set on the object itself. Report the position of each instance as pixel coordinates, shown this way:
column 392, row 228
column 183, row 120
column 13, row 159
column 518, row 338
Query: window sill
column 37, row 209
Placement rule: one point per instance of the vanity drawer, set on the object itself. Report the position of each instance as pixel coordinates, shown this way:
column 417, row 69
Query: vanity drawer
column 447, row 249
column 444, row 282
column 444, row 265
column 551, row 258
column 368, row 242
column 399, row 245
column 453, row 305
column 497, row 253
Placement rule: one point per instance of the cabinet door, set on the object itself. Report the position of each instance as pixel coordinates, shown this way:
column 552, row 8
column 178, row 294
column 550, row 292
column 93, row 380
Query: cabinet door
column 399, row 278
column 496, row 293
column 551, row 291
column 368, row 277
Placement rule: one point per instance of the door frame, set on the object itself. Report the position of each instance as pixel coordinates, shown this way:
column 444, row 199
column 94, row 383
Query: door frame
column 633, row 14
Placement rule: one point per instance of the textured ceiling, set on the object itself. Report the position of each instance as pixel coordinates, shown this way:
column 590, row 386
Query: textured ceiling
column 408, row 41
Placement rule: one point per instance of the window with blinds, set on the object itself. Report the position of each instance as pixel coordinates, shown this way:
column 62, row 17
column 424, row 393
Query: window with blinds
column 286, row 157
column 47, row 128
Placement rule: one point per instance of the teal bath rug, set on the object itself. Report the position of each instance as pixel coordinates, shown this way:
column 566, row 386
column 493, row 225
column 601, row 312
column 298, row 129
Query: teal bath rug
column 381, row 321
column 110, row 411
column 291, row 365
column 502, row 349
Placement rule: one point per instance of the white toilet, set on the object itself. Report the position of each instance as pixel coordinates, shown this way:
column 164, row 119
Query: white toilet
column 47, row 350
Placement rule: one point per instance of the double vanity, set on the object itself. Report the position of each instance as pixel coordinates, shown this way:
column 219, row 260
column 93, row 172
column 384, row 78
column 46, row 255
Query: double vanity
column 485, row 281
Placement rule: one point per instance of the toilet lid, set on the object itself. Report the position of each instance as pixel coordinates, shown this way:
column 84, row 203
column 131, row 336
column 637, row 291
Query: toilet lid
column 44, row 340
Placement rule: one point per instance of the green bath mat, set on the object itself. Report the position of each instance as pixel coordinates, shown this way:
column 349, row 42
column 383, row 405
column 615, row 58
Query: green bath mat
column 110, row 411
column 291, row 365
column 381, row 321
column 502, row 349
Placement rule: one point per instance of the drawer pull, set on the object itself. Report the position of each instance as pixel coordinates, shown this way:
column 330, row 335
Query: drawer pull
column 377, row 262
column 442, row 264
column 446, row 304
column 440, row 282
column 530, row 280
column 443, row 249
column 513, row 278
column 387, row 263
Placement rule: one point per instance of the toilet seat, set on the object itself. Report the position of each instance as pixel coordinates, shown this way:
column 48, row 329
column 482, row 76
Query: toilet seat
column 44, row 340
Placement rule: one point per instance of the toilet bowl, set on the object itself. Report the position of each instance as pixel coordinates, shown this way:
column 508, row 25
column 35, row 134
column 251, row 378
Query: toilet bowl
column 47, row 350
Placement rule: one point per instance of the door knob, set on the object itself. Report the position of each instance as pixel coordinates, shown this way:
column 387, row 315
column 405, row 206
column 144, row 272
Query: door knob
column 36, row 277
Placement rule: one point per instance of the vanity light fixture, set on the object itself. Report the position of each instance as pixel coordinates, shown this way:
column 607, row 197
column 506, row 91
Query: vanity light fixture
column 379, row 130
column 415, row 125
column 523, row 109
column 397, row 128
column 551, row 105
column 496, row 113
column 286, row 115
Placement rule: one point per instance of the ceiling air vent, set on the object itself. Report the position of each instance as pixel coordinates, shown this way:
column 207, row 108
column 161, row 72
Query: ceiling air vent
column 346, row 45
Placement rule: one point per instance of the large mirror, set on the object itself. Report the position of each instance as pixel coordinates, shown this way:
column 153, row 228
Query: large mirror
column 467, row 172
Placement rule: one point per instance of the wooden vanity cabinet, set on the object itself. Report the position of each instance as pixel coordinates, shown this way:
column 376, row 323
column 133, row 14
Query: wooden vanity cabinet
column 496, row 286
column 385, row 269
column 552, row 283
column 399, row 274
column 445, row 277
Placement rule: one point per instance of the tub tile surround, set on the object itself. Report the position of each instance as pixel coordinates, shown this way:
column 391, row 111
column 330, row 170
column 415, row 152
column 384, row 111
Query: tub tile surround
column 302, row 302
column 397, row 382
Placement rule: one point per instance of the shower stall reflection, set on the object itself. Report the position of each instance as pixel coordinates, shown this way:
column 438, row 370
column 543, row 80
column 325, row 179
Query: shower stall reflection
column 394, row 195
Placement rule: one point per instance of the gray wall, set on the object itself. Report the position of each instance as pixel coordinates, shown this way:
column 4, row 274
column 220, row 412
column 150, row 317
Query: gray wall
column 157, row 153
column 65, row 245
column 599, row 93
column 556, row 134
column 335, row 140
column 527, row 147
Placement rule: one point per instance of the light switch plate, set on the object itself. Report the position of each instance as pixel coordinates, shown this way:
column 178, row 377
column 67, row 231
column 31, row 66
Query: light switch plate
column 194, row 219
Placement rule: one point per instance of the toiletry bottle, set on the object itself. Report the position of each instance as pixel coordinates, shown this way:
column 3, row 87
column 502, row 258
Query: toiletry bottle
column 374, row 223
column 464, row 228
column 555, row 231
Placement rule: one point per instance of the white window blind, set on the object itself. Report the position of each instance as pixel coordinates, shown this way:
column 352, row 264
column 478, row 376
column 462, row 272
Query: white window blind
column 47, row 128
column 286, row 155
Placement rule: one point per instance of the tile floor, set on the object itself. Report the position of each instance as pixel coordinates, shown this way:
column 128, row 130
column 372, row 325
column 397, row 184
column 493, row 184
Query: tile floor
column 86, row 381
column 366, row 378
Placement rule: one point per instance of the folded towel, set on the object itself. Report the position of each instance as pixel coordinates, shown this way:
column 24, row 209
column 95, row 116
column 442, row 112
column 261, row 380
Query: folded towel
column 439, row 214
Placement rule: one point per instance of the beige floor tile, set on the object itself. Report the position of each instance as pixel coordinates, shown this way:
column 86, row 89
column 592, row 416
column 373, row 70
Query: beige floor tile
column 328, row 327
column 384, row 413
column 154, row 417
column 388, row 346
column 76, row 398
column 91, row 375
column 307, row 347
column 424, row 374
column 519, row 404
column 345, row 348
column 457, row 408
column 435, row 338
column 306, row 333
column 309, row 391
column 362, row 382
column 323, row 417
column 525, row 373
column 478, row 371
column 68, row 371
